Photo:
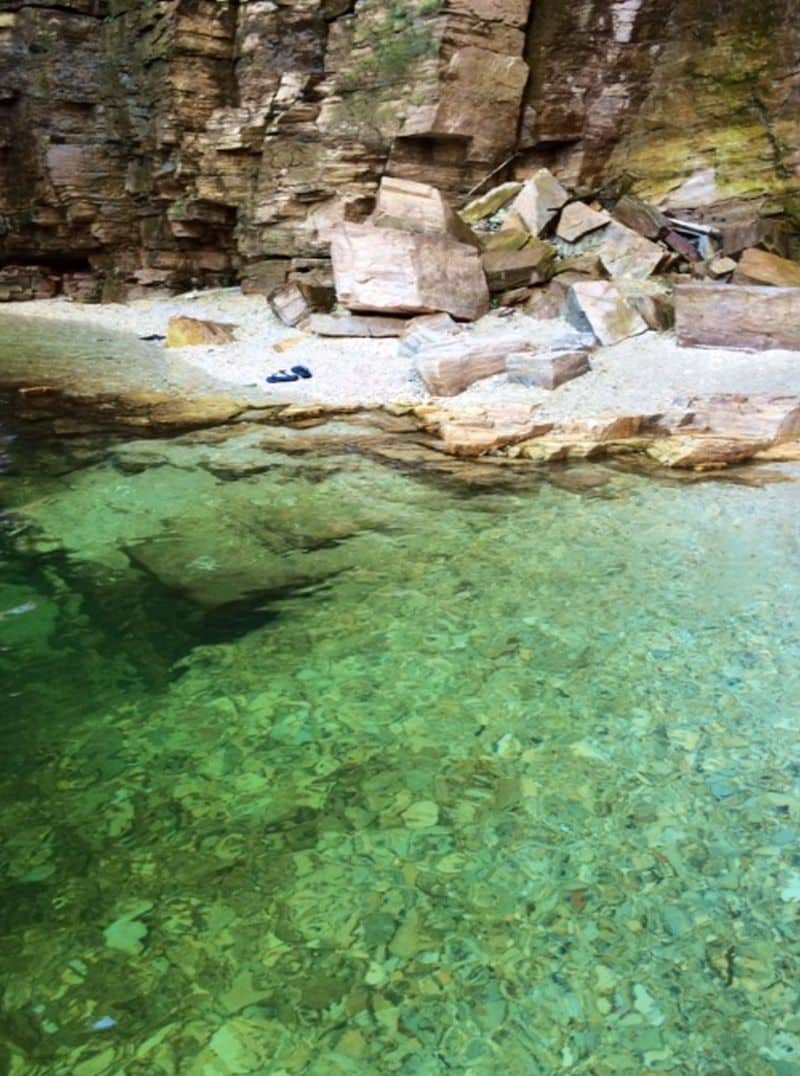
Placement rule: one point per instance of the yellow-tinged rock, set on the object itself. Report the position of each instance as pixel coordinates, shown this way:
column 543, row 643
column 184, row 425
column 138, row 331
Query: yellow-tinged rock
column 761, row 267
column 194, row 332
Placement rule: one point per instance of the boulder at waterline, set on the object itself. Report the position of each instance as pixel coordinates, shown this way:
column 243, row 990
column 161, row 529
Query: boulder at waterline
column 742, row 316
column 195, row 332
column 386, row 270
column 601, row 306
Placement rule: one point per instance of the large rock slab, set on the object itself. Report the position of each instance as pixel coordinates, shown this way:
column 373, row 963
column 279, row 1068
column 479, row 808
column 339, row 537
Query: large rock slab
column 539, row 201
column 761, row 267
column 389, row 271
column 578, row 219
column 418, row 207
column 746, row 317
column 625, row 253
column 602, row 306
column 451, row 367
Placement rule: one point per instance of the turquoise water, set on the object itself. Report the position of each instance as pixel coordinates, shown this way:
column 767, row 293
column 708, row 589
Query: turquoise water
column 316, row 764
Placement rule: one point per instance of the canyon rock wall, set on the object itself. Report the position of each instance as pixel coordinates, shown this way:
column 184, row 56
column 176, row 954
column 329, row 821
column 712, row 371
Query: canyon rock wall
column 162, row 144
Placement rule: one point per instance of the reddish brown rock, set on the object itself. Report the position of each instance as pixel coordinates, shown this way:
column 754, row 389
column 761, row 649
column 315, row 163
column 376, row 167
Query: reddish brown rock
column 533, row 264
column 385, row 270
column 418, row 207
column 761, row 267
column 737, row 316
column 548, row 369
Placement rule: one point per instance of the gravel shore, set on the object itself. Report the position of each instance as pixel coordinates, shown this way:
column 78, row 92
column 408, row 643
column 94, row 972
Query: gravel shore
column 644, row 374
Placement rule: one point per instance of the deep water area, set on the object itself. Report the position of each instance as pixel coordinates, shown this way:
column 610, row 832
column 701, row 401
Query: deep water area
column 315, row 763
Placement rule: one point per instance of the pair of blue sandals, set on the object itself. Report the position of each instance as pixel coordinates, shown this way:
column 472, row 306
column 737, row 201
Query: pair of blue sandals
column 294, row 375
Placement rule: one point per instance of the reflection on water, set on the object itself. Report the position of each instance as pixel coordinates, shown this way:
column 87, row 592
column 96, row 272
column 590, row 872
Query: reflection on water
column 313, row 766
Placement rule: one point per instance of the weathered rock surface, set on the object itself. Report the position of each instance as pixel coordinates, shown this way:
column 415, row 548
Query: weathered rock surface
column 418, row 207
column 737, row 316
column 577, row 220
column 195, row 332
column 355, row 325
column 533, row 264
column 761, row 267
column 625, row 253
column 488, row 204
column 390, row 271
column 160, row 146
column 547, row 370
column 539, row 201
column 289, row 304
column 602, row 306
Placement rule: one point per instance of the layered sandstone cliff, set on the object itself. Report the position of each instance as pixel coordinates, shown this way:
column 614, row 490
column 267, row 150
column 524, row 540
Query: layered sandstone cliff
column 151, row 144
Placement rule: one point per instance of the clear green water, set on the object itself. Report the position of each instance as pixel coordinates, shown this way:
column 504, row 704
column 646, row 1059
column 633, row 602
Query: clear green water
column 311, row 764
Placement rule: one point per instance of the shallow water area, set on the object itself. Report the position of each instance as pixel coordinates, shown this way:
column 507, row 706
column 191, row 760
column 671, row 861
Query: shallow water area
column 313, row 764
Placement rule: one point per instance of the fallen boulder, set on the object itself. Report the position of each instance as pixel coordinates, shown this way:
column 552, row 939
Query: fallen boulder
column 601, row 306
column 640, row 217
column 289, row 304
column 539, row 201
column 548, row 369
column 761, row 267
column 505, row 269
column 490, row 203
column 578, row 219
column 426, row 331
column 194, row 332
column 746, row 317
column 389, row 271
column 447, row 369
column 418, row 207
column 625, row 253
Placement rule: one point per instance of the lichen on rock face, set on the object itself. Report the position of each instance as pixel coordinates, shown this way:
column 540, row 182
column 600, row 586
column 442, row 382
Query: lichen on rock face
column 157, row 146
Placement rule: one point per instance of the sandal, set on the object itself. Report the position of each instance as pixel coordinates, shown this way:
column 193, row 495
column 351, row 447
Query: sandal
column 302, row 371
column 281, row 377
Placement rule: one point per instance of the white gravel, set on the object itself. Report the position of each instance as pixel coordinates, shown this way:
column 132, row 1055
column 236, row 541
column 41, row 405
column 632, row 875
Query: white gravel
column 641, row 375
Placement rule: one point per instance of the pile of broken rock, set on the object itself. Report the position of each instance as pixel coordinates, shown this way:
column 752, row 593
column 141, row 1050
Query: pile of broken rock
column 614, row 268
